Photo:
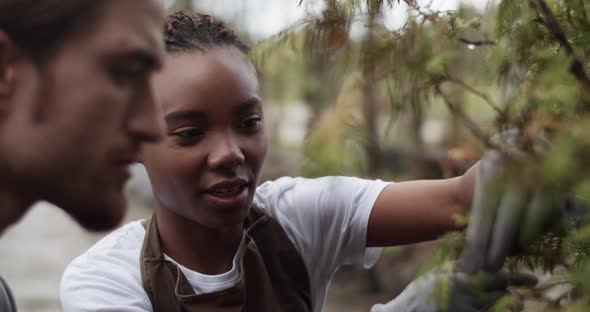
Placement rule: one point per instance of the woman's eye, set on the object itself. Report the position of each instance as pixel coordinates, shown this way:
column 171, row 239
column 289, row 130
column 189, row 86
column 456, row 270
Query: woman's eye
column 251, row 123
column 187, row 134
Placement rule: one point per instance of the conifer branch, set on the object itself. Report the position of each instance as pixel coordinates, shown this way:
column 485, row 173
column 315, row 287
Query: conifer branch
column 577, row 68
column 478, row 93
column 469, row 123
column 477, row 42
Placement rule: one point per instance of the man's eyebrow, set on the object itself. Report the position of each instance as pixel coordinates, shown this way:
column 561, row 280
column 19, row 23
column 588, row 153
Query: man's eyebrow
column 185, row 114
column 146, row 58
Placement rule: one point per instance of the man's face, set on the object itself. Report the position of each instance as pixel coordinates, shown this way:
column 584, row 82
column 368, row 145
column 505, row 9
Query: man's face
column 78, row 120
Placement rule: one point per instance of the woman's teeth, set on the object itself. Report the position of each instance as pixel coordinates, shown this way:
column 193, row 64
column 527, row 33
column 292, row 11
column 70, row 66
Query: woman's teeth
column 228, row 192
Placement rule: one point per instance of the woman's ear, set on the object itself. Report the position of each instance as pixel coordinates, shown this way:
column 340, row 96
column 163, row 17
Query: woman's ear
column 8, row 53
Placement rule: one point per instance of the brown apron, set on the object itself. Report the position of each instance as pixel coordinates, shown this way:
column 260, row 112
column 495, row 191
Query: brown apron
column 273, row 275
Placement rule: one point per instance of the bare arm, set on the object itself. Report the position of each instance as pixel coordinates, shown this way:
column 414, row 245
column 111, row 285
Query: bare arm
column 417, row 211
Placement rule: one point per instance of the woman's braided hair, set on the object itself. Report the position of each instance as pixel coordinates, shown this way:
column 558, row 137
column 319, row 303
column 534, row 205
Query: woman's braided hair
column 190, row 31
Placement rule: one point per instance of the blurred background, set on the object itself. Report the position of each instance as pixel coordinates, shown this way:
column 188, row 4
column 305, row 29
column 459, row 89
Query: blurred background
column 396, row 90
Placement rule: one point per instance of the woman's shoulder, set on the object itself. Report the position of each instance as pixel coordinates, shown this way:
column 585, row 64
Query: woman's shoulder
column 287, row 183
column 109, row 267
column 120, row 248
column 310, row 189
column 127, row 237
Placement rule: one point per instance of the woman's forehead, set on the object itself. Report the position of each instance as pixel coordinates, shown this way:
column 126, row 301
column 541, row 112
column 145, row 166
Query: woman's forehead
column 220, row 60
column 218, row 75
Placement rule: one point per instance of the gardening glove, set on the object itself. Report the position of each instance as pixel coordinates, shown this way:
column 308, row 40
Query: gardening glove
column 511, row 207
column 440, row 291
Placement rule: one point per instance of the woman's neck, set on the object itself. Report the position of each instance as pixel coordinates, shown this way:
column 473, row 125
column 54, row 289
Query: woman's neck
column 199, row 248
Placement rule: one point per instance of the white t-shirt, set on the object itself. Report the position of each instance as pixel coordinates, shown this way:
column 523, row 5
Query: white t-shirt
column 325, row 218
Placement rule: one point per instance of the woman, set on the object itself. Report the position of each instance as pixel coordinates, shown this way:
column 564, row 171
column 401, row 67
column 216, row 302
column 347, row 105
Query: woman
column 216, row 241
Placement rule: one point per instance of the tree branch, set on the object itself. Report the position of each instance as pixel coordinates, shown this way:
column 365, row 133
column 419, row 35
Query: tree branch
column 577, row 68
column 477, row 42
column 471, row 89
column 469, row 123
column 583, row 4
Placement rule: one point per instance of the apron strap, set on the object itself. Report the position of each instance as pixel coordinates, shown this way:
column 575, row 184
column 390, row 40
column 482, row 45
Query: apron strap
column 155, row 269
column 273, row 276
column 146, row 252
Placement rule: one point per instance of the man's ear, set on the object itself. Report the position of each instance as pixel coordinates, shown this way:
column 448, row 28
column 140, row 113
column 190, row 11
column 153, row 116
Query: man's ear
column 8, row 53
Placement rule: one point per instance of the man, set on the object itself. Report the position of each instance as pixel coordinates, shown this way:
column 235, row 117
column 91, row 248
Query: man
column 75, row 104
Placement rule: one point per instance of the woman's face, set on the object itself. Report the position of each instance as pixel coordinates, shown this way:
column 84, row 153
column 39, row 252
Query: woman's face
column 207, row 166
column 73, row 124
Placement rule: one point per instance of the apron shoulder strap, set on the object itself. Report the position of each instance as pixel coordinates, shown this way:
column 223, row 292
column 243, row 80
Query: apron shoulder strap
column 283, row 262
column 161, row 279
column 146, row 252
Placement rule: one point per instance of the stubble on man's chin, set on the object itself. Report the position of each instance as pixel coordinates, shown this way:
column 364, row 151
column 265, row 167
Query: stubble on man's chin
column 101, row 215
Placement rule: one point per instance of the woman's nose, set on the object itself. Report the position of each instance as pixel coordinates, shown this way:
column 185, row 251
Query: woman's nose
column 225, row 153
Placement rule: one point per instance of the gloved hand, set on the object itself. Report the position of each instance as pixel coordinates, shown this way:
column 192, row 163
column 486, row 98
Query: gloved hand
column 511, row 207
column 466, row 292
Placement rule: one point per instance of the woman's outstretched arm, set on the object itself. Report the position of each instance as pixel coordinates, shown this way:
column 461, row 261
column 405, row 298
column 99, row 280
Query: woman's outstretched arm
column 417, row 211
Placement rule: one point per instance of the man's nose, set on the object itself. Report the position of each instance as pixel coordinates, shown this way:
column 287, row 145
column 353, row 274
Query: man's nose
column 143, row 121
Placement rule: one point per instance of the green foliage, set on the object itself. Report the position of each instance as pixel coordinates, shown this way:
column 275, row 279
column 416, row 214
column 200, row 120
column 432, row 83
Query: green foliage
column 520, row 64
column 178, row 5
column 507, row 303
column 442, row 292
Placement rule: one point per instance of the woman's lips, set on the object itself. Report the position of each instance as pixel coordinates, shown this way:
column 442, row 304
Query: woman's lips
column 228, row 194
